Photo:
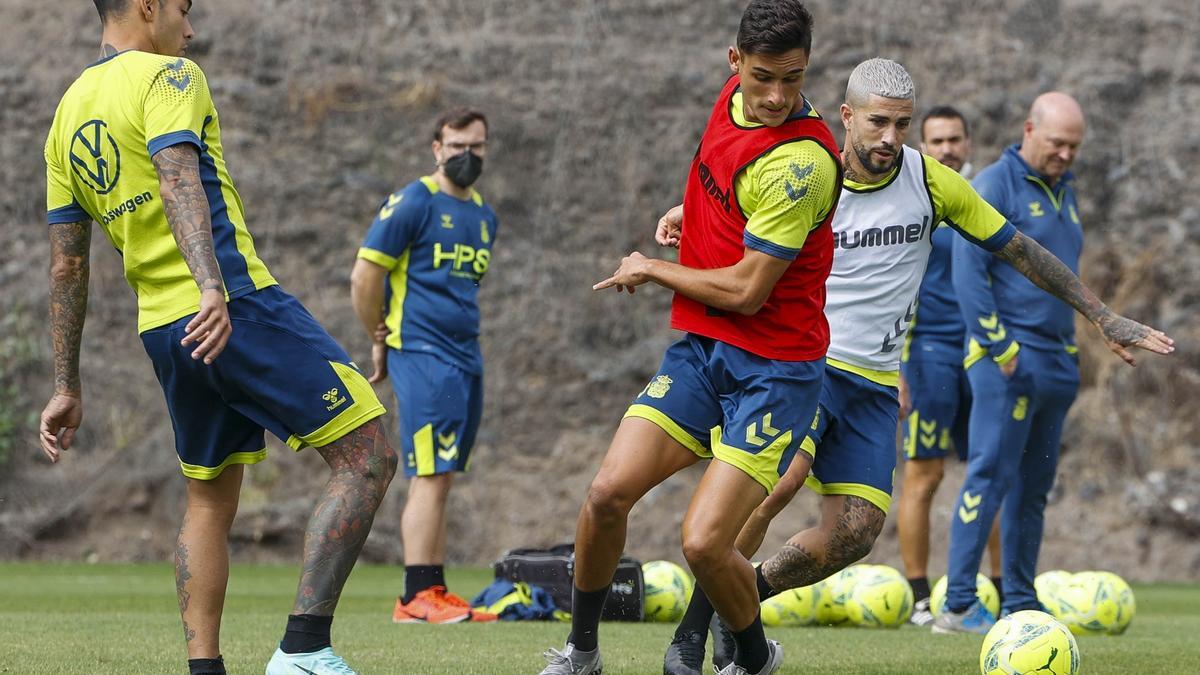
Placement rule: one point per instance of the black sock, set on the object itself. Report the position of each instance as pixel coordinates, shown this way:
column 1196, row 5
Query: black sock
column 306, row 633
column 764, row 587
column 420, row 577
column 998, row 582
column 699, row 613
column 206, row 666
column 586, row 608
column 752, row 650
column 920, row 587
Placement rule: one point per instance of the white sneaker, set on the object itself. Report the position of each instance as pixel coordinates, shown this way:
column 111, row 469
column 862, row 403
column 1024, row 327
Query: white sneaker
column 774, row 662
column 922, row 615
column 571, row 661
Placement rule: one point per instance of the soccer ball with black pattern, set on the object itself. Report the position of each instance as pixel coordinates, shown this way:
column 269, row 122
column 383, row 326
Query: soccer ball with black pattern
column 1028, row 642
column 668, row 589
column 880, row 598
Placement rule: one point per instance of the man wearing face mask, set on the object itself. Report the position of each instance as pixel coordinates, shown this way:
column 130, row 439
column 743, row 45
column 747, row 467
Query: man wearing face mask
column 414, row 287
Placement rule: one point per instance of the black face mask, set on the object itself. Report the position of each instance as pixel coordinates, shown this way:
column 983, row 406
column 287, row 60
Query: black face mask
column 463, row 169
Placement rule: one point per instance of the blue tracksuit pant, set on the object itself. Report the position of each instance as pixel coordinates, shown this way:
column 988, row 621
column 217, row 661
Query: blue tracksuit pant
column 1016, row 424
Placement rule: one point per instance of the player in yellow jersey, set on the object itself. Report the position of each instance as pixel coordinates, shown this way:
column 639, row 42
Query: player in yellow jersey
column 136, row 146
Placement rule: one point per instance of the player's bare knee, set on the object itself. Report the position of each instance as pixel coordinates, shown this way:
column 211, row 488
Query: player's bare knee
column 607, row 502
column 702, row 550
column 922, row 478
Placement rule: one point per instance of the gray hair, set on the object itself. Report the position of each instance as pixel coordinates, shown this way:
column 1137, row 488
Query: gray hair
column 881, row 77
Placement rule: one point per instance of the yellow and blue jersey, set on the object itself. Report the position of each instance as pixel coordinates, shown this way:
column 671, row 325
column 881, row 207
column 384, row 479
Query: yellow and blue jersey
column 116, row 115
column 781, row 209
column 436, row 248
column 1004, row 310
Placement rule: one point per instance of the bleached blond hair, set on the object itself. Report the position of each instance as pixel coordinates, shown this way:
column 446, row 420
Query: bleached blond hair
column 881, row 77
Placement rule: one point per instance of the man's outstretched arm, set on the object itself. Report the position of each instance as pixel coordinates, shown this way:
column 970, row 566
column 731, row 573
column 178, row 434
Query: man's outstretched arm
column 187, row 210
column 742, row 288
column 1050, row 274
column 70, row 245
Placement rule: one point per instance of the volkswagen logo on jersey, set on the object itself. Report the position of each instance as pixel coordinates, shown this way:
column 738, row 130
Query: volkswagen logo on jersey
column 95, row 157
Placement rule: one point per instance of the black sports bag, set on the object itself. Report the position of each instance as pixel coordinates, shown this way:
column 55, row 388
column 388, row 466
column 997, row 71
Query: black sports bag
column 554, row 570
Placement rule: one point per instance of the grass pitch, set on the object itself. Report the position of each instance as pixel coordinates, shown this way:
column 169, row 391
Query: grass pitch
column 123, row 619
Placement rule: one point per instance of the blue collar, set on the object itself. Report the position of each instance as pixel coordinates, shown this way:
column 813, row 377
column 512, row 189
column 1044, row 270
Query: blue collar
column 1012, row 154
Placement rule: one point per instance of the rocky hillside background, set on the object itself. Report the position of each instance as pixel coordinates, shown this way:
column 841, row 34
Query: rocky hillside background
column 596, row 107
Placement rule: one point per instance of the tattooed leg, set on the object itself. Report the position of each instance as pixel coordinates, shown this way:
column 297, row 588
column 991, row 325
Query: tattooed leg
column 202, row 559
column 363, row 464
column 848, row 528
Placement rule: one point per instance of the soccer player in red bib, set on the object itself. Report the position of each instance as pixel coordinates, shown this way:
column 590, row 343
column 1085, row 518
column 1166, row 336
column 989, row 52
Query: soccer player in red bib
column 742, row 385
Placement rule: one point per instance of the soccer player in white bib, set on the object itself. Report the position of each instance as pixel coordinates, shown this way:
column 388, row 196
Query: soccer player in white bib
column 892, row 198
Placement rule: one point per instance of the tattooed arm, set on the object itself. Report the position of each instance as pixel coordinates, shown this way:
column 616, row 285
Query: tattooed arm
column 69, row 250
column 187, row 210
column 1050, row 274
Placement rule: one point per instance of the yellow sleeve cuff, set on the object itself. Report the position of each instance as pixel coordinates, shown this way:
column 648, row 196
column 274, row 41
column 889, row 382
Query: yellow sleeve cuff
column 1008, row 354
column 378, row 257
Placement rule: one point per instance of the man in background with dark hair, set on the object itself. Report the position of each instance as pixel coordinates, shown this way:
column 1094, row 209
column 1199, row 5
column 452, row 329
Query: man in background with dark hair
column 742, row 385
column 414, row 288
column 136, row 146
column 935, row 397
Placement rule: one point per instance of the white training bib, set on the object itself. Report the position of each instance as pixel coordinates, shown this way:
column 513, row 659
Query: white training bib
column 881, row 240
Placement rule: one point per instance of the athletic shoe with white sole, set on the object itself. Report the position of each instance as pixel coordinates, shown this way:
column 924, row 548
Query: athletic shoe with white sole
column 571, row 661
column 323, row 662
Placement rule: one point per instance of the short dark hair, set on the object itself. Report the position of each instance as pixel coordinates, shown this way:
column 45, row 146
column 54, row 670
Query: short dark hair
column 775, row 27
column 111, row 8
column 458, row 118
column 947, row 112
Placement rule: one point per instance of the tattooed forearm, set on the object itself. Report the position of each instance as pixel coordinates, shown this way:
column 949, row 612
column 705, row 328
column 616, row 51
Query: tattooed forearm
column 805, row 560
column 188, row 214
column 69, row 267
column 363, row 464
column 1050, row 274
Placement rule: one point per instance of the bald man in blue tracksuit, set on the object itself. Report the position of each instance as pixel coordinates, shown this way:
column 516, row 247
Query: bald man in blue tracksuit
column 1021, row 364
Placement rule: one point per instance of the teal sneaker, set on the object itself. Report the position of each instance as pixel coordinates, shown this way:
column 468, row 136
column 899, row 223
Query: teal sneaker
column 323, row 662
column 974, row 619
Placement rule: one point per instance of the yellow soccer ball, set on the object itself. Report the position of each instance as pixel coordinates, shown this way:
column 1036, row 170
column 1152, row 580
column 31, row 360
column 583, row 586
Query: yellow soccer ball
column 1047, row 584
column 1126, row 605
column 793, row 607
column 880, row 598
column 833, row 593
column 1029, row 642
column 668, row 589
column 985, row 591
column 1089, row 605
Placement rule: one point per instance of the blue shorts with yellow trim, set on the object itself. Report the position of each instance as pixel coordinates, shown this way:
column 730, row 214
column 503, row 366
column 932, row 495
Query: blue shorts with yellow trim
column 721, row 401
column 853, row 438
column 440, row 408
column 280, row 372
column 941, row 409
